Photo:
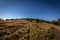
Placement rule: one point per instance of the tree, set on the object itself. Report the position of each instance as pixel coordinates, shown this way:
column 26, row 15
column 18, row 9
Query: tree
column 58, row 21
column 1, row 19
column 53, row 22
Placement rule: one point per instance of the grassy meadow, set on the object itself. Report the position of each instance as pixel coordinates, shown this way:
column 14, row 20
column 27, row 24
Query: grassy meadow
column 27, row 30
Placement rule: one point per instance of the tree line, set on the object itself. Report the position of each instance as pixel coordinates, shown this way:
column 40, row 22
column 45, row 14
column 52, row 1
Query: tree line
column 55, row 22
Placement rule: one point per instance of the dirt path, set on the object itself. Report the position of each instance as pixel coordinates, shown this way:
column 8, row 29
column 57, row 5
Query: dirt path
column 57, row 34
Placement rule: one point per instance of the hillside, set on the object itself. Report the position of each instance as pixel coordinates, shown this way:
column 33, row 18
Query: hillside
column 28, row 30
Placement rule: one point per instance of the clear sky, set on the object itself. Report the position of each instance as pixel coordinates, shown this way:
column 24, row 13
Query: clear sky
column 43, row 9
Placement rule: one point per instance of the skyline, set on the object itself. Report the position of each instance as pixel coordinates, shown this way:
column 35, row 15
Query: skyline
column 42, row 9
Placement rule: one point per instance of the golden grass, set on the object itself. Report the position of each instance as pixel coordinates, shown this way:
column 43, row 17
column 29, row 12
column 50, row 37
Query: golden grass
column 25, row 30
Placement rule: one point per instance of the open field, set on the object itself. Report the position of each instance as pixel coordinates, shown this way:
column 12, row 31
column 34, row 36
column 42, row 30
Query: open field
column 26, row 30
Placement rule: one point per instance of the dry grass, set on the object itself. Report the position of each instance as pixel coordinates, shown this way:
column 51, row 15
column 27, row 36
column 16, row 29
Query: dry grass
column 25, row 30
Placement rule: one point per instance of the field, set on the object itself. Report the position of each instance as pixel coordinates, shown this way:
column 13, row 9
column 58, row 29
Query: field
column 26, row 30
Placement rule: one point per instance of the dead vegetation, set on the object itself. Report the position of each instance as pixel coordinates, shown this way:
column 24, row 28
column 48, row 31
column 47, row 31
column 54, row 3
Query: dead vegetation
column 27, row 30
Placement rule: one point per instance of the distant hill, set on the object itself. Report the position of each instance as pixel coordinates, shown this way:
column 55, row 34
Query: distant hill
column 28, row 29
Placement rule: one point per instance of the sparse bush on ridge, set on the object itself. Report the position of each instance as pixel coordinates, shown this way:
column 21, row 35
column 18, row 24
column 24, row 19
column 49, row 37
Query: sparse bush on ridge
column 56, row 22
column 37, row 20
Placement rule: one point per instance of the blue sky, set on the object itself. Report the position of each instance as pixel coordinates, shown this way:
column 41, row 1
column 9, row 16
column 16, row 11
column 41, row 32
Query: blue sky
column 43, row 9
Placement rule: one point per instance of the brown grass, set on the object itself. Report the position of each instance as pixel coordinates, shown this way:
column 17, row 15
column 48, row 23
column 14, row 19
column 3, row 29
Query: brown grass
column 25, row 30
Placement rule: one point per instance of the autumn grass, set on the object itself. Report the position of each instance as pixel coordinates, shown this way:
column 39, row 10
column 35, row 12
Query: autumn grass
column 30, row 31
